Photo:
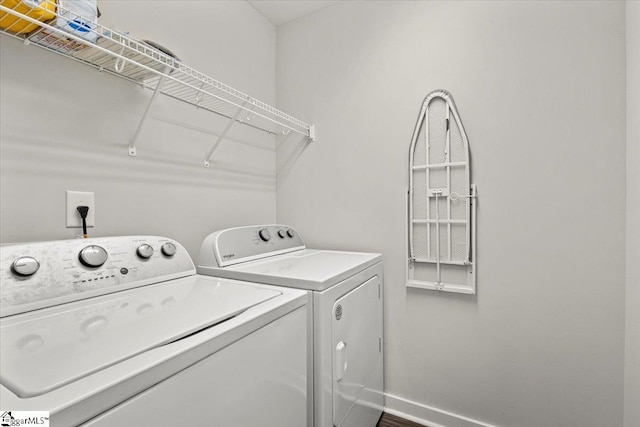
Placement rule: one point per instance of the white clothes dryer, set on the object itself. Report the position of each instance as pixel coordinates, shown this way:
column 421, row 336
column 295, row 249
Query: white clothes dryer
column 122, row 332
column 345, row 323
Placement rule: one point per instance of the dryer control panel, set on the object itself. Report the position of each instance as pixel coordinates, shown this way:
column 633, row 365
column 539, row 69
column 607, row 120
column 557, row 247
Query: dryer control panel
column 241, row 244
column 42, row 274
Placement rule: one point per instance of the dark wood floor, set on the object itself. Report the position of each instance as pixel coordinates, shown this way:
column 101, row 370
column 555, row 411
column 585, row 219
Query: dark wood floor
column 389, row 420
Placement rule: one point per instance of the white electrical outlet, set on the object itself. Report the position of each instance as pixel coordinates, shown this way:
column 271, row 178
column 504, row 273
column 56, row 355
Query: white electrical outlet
column 80, row 198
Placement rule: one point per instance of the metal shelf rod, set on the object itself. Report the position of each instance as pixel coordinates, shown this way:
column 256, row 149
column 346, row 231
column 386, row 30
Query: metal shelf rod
column 132, row 143
column 221, row 137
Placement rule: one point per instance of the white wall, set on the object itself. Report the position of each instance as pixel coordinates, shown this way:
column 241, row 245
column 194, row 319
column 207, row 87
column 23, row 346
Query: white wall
column 632, row 339
column 540, row 87
column 65, row 127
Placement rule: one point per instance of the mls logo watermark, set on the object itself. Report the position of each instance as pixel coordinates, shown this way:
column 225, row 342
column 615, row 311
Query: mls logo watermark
column 24, row 418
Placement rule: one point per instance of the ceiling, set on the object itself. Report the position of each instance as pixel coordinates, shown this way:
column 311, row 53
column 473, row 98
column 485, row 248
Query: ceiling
column 282, row 11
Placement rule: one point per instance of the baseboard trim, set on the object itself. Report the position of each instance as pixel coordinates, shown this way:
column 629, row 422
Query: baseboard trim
column 427, row 415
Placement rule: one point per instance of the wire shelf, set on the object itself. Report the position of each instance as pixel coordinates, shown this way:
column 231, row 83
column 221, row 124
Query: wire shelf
column 143, row 63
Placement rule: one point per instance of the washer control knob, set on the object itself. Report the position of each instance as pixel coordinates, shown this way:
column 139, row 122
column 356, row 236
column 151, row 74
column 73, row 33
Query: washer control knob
column 144, row 251
column 25, row 266
column 169, row 249
column 93, row 256
column 264, row 234
column 291, row 233
column 282, row 234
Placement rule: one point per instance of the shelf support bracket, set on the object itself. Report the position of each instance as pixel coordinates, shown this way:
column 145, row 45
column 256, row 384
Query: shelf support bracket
column 223, row 134
column 158, row 89
column 312, row 133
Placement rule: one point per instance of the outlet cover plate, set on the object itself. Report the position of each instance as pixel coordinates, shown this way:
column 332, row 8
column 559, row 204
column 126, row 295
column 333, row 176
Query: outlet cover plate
column 80, row 198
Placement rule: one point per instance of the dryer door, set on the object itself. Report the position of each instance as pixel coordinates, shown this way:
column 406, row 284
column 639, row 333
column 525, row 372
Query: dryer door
column 356, row 337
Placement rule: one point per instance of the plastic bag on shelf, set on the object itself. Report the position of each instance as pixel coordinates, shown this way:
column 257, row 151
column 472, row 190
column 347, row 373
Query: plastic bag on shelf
column 77, row 17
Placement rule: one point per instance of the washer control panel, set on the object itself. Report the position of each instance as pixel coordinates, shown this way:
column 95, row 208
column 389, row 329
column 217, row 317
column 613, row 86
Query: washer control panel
column 235, row 245
column 42, row 274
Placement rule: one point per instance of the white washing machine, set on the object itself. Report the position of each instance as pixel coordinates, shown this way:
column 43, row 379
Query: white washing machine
column 345, row 323
column 123, row 332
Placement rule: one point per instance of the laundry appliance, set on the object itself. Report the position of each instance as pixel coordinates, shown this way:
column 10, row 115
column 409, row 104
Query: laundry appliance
column 121, row 331
column 345, row 291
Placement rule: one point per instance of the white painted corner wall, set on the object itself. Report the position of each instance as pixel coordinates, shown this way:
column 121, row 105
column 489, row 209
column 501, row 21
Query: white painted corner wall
column 540, row 87
column 64, row 126
column 632, row 338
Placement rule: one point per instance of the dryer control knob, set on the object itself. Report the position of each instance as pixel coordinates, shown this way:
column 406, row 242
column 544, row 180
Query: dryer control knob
column 290, row 233
column 169, row 249
column 144, row 251
column 282, row 234
column 264, row 235
column 93, row 256
column 25, row 266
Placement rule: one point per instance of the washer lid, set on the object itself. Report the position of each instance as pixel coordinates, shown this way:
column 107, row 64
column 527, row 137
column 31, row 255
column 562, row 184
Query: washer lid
column 47, row 349
column 304, row 269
